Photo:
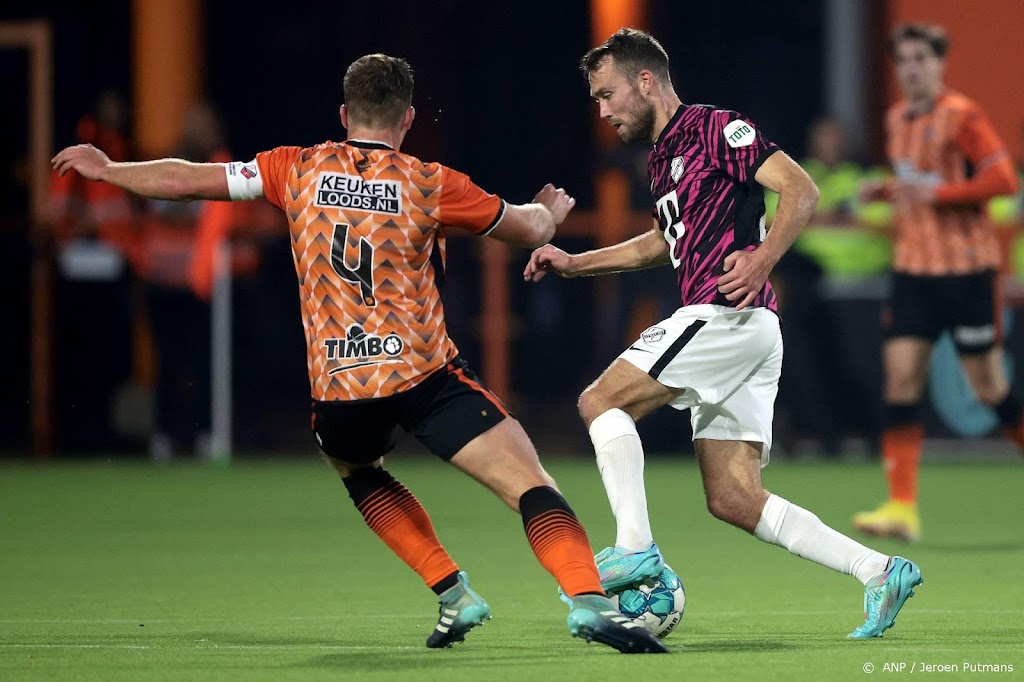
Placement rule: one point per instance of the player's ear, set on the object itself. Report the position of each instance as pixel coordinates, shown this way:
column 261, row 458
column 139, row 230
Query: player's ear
column 645, row 81
column 343, row 112
column 407, row 120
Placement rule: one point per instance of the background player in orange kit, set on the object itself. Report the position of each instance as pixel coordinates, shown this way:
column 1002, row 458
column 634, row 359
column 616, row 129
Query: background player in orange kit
column 368, row 226
column 948, row 162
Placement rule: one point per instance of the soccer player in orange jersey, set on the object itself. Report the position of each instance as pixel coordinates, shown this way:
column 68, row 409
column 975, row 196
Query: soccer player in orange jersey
column 948, row 161
column 368, row 226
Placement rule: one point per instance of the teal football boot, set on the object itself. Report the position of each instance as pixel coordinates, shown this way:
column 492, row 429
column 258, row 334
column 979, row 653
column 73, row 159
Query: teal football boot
column 885, row 595
column 594, row 618
column 461, row 610
column 621, row 568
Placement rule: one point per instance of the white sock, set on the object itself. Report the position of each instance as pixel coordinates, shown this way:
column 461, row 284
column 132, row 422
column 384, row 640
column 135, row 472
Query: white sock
column 802, row 533
column 620, row 458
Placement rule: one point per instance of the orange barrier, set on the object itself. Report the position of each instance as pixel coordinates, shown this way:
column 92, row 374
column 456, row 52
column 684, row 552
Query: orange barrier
column 167, row 68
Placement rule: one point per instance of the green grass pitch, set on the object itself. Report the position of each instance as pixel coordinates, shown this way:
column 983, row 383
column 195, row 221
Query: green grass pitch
column 264, row 571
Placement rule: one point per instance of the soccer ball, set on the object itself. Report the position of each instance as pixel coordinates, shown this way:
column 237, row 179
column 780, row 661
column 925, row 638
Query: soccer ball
column 658, row 605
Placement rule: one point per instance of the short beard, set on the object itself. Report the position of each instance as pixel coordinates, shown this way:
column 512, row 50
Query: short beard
column 643, row 128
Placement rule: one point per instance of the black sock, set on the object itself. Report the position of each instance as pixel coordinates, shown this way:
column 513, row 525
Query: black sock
column 896, row 416
column 542, row 499
column 364, row 482
column 446, row 583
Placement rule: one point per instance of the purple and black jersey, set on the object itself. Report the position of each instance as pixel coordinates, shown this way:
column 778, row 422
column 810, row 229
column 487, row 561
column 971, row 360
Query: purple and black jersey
column 706, row 200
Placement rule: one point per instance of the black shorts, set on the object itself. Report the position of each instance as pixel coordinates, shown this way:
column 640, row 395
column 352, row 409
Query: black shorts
column 446, row 411
column 969, row 306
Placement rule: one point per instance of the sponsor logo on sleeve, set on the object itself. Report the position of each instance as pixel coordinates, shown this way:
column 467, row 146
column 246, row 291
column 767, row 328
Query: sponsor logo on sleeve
column 653, row 334
column 337, row 190
column 248, row 172
column 739, row 133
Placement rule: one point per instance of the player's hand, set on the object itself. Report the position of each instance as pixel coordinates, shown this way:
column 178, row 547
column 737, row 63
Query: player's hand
column 872, row 190
column 547, row 259
column 913, row 192
column 744, row 278
column 84, row 158
column 557, row 201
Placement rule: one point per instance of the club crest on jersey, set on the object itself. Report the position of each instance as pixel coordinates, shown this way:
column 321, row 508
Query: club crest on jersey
column 337, row 190
column 248, row 172
column 677, row 168
column 653, row 334
column 358, row 345
column 739, row 133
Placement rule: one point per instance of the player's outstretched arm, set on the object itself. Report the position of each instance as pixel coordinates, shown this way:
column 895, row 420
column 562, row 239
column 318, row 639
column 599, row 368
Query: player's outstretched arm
column 644, row 251
column 173, row 179
column 531, row 225
column 747, row 271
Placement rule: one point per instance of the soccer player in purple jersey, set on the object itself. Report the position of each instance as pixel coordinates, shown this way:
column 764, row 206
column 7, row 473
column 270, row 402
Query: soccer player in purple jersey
column 720, row 354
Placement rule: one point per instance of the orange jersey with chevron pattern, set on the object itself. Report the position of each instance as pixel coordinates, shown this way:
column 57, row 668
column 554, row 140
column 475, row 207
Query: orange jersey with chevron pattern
column 946, row 144
column 368, row 238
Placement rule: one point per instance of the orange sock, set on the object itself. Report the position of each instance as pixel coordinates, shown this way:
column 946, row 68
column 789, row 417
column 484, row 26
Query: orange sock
column 901, row 453
column 398, row 518
column 559, row 541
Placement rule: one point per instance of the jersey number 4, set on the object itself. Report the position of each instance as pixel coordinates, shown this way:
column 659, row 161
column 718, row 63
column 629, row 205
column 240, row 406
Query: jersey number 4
column 671, row 223
column 362, row 274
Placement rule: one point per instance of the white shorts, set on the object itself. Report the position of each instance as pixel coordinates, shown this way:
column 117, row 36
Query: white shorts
column 728, row 364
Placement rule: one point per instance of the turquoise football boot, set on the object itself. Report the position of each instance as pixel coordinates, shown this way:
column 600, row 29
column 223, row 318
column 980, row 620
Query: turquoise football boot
column 461, row 610
column 885, row 595
column 621, row 568
column 594, row 618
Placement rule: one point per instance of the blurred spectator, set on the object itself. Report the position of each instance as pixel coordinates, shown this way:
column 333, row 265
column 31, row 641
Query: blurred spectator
column 840, row 252
column 807, row 393
column 93, row 227
column 1008, row 210
column 79, row 208
column 176, row 260
column 810, row 397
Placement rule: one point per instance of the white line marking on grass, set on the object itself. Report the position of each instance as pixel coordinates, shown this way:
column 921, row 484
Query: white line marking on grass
column 733, row 614
column 285, row 647
column 117, row 621
column 74, row 646
column 236, row 647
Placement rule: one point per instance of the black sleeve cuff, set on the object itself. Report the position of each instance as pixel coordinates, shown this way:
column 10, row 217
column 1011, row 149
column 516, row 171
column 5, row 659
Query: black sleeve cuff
column 497, row 219
column 765, row 155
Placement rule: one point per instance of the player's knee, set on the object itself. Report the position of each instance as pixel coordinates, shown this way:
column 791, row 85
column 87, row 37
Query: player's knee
column 903, row 388
column 346, row 469
column 591, row 405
